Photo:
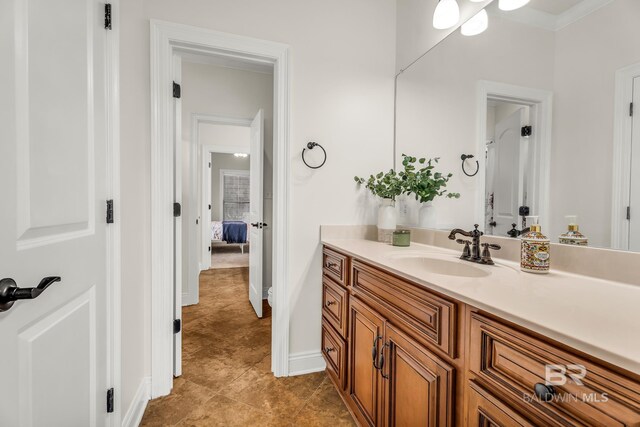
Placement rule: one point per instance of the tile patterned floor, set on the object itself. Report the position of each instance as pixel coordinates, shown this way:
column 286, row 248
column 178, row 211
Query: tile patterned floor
column 227, row 379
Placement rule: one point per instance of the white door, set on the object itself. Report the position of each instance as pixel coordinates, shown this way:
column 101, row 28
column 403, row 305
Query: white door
column 634, row 204
column 507, row 173
column 53, row 188
column 205, row 208
column 255, row 200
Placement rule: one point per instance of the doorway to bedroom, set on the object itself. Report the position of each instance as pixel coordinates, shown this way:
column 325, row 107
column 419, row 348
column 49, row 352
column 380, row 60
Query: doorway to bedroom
column 230, row 210
column 225, row 114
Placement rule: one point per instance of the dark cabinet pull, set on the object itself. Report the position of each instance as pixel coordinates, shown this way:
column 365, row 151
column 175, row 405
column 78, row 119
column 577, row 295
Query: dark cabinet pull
column 330, row 264
column 374, row 351
column 10, row 292
column 544, row 392
column 329, row 303
column 381, row 361
column 329, row 350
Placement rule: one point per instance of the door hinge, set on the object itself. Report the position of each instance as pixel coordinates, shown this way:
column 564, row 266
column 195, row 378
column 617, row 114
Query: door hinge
column 209, row 165
column 110, row 393
column 109, row 211
column 628, row 213
column 177, row 326
column 177, row 210
column 209, row 249
column 631, row 110
column 107, row 16
column 176, row 90
column 209, row 207
column 526, row 131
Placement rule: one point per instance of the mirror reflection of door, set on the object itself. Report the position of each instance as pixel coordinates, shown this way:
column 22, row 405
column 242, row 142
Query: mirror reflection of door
column 506, row 177
column 634, row 205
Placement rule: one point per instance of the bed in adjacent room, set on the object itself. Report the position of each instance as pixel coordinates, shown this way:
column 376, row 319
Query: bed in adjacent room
column 230, row 232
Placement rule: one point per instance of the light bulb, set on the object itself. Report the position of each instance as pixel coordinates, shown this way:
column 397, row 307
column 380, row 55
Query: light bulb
column 447, row 14
column 476, row 25
column 511, row 4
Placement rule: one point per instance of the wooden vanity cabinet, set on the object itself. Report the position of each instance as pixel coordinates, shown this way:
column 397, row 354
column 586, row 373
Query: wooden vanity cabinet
column 403, row 355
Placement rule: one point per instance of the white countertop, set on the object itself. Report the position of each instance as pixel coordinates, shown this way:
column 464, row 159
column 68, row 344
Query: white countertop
column 598, row 317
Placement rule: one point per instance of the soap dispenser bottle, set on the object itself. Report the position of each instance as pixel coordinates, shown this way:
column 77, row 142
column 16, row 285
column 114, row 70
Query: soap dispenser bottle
column 573, row 236
column 534, row 253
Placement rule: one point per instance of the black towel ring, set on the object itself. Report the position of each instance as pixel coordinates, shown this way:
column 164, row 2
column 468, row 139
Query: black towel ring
column 310, row 146
column 469, row 156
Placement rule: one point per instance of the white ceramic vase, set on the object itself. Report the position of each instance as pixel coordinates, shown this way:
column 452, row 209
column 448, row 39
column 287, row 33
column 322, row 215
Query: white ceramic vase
column 427, row 216
column 387, row 220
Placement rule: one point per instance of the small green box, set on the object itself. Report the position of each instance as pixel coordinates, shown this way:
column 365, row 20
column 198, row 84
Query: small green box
column 402, row 238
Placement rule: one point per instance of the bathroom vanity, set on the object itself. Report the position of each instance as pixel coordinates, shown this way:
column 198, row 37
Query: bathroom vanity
column 416, row 336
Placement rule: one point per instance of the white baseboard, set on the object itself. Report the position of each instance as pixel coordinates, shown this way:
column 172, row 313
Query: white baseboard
column 306, row 362
column 135, row 412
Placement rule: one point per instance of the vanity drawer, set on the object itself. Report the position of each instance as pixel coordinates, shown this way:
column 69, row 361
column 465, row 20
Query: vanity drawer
column 485, row 410
column 511, row 362
column 422, row 314
column 334, row 305
column 336, row 266
column 334, row 351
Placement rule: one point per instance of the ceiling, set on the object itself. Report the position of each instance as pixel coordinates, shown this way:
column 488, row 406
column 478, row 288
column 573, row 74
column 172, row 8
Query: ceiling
column 553, row 7
column 551, row 15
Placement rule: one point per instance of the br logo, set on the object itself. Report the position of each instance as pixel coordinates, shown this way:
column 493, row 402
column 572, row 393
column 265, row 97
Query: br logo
column 560, row 374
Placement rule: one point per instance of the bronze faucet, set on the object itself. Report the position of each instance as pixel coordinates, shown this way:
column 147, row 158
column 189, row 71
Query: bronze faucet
column 474, row 254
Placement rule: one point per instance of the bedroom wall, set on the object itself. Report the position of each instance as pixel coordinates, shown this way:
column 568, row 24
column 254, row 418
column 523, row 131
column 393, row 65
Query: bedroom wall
column 342, row 65
column 219, row 162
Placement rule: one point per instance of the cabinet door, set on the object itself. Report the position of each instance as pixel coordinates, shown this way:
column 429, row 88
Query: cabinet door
column 485, row 410
column 418, row 385
column 366, row 329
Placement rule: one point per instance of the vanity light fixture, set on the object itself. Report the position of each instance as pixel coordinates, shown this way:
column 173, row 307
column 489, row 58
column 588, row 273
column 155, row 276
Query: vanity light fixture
column 476, row 25
column 242, row 155
column 511, row 4
column 447, row 14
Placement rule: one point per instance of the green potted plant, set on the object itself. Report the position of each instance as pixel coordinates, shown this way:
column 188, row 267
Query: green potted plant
column 387, row 186
column 421, row 180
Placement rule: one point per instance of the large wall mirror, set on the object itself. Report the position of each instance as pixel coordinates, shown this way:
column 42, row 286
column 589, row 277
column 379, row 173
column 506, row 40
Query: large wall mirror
column 542, row 100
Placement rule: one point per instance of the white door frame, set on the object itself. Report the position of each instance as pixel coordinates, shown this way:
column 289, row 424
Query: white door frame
column 540, row 103
column 113, row 238
column 622, row 139
column 166, row 38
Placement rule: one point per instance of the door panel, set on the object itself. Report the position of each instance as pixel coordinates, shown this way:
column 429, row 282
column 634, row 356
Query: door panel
column 419, row 388
column 366, row 331
column 507, row 174
column 255, row 199
column 53, row 189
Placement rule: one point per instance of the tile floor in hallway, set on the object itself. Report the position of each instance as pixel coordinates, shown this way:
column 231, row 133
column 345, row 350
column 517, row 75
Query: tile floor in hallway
column 227, row 379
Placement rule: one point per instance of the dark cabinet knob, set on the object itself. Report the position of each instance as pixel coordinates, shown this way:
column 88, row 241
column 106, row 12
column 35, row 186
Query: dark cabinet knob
column 329, row 303
column 329, row 350
column 544, row 392
column 10, row 292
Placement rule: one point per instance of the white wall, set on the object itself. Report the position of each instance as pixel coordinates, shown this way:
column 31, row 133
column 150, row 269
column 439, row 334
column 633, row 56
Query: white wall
column 223, row 162
column 342, row 57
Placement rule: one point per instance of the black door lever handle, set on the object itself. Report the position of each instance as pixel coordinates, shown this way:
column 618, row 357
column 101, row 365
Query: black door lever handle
column 10, row 292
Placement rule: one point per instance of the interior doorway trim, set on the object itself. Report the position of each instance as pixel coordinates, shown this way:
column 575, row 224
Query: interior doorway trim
column 540, row 103
column 622, row 140
column 167, row 38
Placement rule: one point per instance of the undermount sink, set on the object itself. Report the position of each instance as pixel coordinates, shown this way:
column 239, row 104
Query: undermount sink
column 438, row 265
